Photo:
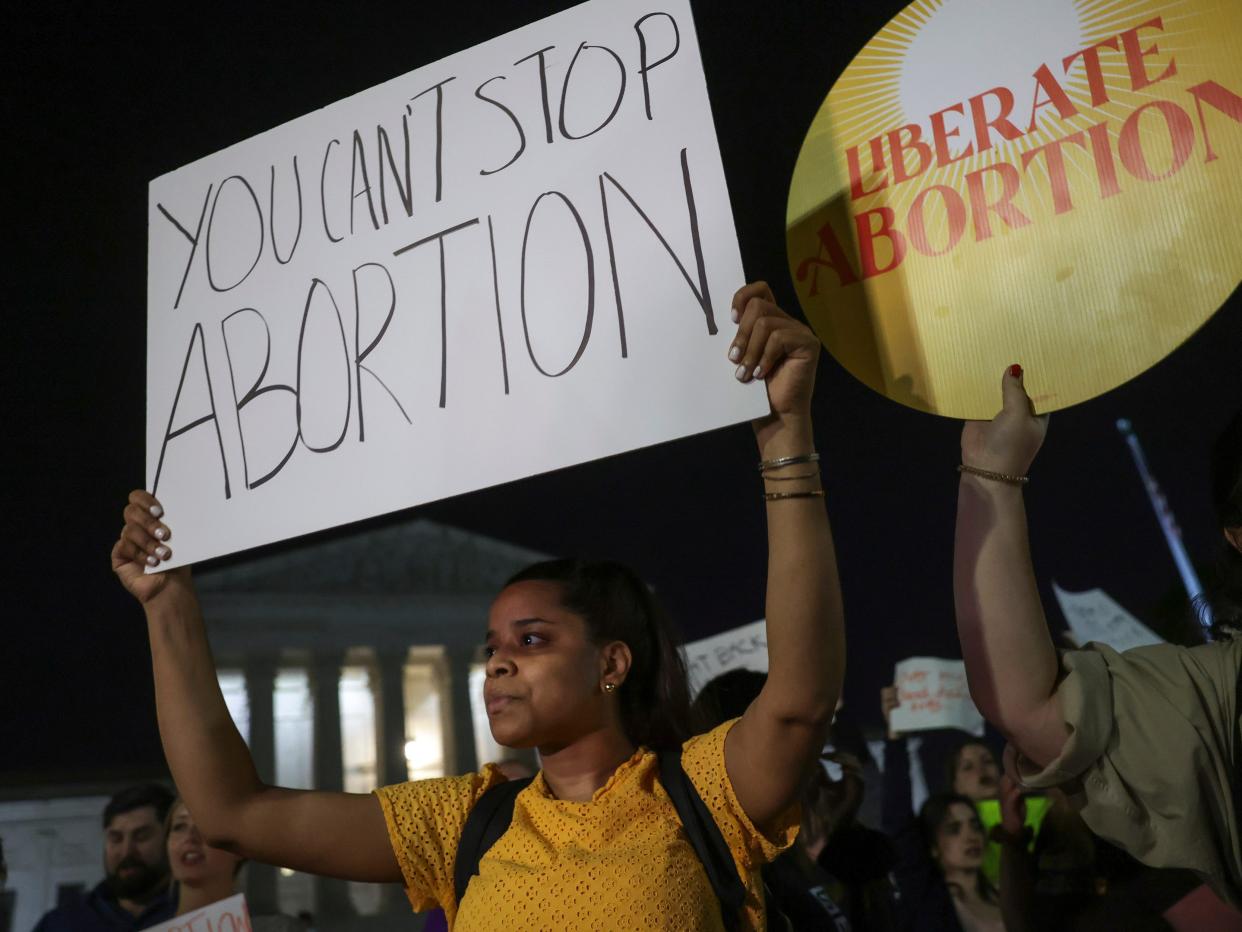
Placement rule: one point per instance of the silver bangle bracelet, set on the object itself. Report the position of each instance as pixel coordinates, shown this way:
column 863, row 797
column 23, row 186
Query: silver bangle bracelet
column 765, row 465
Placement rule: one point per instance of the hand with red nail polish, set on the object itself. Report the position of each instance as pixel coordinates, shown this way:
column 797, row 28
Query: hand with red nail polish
column 1009, row 442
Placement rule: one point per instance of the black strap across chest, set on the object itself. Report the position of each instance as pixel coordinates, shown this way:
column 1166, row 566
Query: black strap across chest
column 491, row 815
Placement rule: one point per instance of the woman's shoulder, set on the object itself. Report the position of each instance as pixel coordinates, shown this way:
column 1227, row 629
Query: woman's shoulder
column 703, row 760
column 438, row 796
column 708, row 745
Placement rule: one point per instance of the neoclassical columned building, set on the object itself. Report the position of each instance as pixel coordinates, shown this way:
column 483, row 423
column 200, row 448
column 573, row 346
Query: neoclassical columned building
column 348, row 663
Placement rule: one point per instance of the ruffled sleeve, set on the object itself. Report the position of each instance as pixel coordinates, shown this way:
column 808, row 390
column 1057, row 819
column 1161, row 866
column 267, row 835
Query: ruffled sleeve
column 425, row 819
column 703, row 759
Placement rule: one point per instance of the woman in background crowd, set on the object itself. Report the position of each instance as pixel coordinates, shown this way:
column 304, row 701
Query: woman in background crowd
column 941, row 884
column 971, row 769
column 206, row 875
column 203, row 874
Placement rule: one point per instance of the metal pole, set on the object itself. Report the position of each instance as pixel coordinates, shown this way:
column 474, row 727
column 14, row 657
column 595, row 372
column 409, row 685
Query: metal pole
column 1168, row 524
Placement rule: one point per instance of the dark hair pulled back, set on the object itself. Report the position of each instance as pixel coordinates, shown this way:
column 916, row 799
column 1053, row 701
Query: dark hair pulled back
column 954, row 759
column 1224, row 589
column 616, row 605
column 933, row 814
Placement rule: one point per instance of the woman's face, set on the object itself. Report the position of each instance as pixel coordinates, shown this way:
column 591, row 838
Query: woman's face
column 959, row 839
column 544, row 676
column 977, row 775
column 192, row 860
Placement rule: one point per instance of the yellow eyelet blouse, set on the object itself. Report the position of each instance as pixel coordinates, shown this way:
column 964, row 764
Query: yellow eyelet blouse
column 618, row 862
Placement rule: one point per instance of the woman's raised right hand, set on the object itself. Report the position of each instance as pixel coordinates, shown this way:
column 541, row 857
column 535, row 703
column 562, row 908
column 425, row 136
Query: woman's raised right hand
column 144, row 543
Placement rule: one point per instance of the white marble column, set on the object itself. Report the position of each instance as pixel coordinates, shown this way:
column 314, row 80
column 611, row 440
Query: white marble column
column 390, row 718
column 463, row 759
column 260, row 673
column 331, row 896
column 390, row 741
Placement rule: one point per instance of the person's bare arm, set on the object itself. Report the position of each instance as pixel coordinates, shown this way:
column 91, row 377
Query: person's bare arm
column 1011, row 664
column 335, row 834
column 768, row 752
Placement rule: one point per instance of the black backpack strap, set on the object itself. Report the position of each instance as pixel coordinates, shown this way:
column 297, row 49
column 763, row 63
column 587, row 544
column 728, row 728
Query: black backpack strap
column 487, row 821
column 704, row 836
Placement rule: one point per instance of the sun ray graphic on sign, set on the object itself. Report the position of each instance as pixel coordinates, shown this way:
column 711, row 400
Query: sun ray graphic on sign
column 949, row 205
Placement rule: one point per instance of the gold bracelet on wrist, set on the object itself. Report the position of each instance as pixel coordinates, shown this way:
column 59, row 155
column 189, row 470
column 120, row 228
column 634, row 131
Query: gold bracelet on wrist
column 782, row 461
column 994, row 476
column 805, row 475
column 781, row 496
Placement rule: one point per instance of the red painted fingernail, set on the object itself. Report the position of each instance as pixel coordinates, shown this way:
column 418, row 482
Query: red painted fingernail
column 1015, row 370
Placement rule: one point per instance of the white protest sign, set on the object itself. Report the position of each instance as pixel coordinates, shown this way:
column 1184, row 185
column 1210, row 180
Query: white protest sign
column 1094, row 616
column 744, row 648
column 512, row 260
column 933, row 694
column 228, row 915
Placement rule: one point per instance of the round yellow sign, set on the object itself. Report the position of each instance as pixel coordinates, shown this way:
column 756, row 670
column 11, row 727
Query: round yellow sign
column 1056, row 184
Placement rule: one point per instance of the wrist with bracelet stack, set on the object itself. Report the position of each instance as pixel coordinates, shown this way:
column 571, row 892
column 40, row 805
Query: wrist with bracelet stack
column 767, row 468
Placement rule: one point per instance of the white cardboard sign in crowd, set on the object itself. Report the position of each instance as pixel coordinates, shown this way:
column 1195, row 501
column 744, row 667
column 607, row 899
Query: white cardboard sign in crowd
column 228, row 915
column 933, row 694
column 1093, row 616
column 744, row 648
column 515, row 259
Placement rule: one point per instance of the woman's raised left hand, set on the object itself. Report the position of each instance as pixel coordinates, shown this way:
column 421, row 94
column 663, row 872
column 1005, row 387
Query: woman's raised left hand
column 772, row 346
column 1012, row 805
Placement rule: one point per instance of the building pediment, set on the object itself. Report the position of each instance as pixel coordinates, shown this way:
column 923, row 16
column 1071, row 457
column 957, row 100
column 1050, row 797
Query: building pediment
column 419, row 557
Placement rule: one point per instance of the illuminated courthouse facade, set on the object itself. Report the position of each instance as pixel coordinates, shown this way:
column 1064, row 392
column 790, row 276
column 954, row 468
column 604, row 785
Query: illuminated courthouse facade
column 347, row 663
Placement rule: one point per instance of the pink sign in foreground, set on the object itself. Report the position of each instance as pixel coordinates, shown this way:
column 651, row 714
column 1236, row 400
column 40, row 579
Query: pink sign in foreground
column 228, row 915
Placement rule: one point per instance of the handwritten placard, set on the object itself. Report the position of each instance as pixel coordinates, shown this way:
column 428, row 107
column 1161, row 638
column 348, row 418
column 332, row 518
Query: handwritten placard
column 744, row 648
column 515, row 259
column 933, row 694
column 228, row 915
column 1093, row 616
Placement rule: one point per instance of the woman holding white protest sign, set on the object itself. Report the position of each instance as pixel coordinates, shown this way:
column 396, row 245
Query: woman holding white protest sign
column 1146, row 742
column 581, row 666
column 204, row 875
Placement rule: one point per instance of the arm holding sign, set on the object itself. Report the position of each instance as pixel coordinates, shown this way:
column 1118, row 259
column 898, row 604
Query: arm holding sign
column 1159, row 717
column 1011, row 664
column 338, row 834
column 897, row 813
column 769, row 751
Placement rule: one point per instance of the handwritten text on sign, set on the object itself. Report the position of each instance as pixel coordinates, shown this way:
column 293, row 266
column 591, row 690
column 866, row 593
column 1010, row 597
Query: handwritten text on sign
column 744, row 648
column 933, row 694
column 509, row 261
column 1094, row 616
column 228, row 915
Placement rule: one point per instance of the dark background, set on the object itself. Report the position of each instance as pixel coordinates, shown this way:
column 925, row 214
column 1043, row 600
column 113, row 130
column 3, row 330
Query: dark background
column 102, row 99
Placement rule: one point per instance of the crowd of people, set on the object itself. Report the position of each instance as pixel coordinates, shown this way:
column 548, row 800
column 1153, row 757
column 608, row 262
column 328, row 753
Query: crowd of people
column 1117, row 801
column 157, row 867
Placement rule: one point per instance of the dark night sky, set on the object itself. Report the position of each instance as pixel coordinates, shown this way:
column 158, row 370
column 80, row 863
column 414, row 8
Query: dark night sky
column 103, row 98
